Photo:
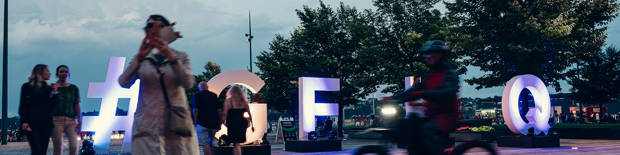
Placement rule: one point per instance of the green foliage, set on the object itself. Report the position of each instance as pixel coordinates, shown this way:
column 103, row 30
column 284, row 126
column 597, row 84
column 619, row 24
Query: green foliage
column 211, row 69
column 365, row 49
column 327, row 44
column 482, row 129
column 597, row 80
column 512, row 37
column 371, row 48
column 402, row 28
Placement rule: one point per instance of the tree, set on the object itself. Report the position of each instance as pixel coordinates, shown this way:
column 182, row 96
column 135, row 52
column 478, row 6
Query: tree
column 211, row 69
column 402, row 28
column 598, row 80
column 327, row 44
column 506, row 38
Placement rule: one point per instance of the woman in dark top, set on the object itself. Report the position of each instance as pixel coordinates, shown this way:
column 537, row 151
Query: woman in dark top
column 35, row 109
column 65, row 114
column 237, row 113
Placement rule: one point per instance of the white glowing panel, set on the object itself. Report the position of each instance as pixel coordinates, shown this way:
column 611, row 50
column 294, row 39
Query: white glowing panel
column 538, row 117
column 109, row 92
column 240, row 77
column 258, row 111
column 409, row 81
column 308, row 108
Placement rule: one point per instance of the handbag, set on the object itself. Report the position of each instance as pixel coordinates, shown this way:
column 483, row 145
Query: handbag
column 179, row 121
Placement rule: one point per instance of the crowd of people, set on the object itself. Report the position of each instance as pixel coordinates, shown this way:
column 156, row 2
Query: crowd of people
column 580, row 117
column 366, row 121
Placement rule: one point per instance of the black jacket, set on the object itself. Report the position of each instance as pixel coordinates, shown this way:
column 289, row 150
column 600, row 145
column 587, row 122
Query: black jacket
column 439, row 86
column 36, row 106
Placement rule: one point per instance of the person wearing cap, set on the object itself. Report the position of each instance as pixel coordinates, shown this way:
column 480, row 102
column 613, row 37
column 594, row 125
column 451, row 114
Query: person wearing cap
column 439, row 90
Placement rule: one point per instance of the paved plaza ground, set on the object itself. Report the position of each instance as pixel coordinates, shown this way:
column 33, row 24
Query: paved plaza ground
column 568, row 146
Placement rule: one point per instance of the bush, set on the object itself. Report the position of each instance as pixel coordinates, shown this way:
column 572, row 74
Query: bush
column 482, row 129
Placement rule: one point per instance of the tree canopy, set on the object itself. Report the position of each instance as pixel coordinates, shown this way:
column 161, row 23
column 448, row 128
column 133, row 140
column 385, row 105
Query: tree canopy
column 598, row 79
column 327, row 44
column 210, row 70
column 512, row 37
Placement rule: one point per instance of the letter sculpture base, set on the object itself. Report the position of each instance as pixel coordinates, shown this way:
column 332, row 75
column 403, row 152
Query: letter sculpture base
column 524, row 141
column 313, row 145
column 252, row 149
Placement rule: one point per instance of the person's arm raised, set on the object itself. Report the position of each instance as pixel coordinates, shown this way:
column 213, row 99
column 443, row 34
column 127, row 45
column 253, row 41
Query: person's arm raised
column 130, row 75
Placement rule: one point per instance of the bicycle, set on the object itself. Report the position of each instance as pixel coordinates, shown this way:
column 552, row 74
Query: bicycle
column 416, row 135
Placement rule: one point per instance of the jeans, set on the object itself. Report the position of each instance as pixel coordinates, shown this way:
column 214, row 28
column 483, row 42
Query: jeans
column 38, row 139
column 64, row 125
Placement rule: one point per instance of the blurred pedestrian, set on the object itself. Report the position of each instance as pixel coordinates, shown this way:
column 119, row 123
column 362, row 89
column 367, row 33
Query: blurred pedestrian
column 208, row 111
column 164, row 75
column 237, row 114
column 37, row 100
column 67, row 114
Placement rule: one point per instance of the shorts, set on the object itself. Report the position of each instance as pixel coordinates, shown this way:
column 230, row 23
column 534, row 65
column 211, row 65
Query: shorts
column 205, row 136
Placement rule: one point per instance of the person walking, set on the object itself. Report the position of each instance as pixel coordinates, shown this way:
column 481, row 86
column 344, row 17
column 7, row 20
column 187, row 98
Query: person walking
column 207, row 113
column 66, row 112
column 37, row 99
column 237, row 114
column 164, row 75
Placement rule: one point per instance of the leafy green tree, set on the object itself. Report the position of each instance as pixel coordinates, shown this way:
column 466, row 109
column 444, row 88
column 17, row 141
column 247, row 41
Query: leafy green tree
column 598, row 79
column 402, row 28
column 512, row 37
column 211, row 69
column 327, row 44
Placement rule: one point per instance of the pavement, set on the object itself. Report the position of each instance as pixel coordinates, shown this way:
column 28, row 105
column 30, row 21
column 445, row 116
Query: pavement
column 568, row 146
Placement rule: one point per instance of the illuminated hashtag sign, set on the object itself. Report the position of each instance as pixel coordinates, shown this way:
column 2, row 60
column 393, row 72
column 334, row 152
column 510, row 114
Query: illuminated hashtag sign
column 538, row 117
column 109, row 92
column 310, row 89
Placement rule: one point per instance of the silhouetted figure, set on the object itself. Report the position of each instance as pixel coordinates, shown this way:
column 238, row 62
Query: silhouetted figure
column 37, row 100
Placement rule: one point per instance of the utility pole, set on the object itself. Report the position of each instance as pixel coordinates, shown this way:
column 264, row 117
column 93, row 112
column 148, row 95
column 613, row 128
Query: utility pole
column 250, row 37
column 4, row 72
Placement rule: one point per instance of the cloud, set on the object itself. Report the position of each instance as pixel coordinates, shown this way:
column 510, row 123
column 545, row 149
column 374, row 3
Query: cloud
column 101, row 31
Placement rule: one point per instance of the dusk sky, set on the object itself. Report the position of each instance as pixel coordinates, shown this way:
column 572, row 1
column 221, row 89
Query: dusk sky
column 83, row 34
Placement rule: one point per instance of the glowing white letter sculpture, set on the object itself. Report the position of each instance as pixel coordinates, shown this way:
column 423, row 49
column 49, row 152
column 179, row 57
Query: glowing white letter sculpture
column 109, row 92
column 308, row 108
column 510, row 104
column 258, row 111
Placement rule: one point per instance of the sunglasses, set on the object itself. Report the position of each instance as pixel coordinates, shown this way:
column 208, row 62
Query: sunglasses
column 150, row 25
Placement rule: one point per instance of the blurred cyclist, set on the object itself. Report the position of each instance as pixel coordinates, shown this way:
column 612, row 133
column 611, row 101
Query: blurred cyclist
column 439, row 91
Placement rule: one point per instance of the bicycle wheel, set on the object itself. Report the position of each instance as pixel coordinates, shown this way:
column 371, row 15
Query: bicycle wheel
column 371, row 149
column 462, row 148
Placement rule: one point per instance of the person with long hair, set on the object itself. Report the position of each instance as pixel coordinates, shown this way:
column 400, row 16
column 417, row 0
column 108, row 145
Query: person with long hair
column 66, row 112
column 164, row 75
column 37, row 99
column 237, row 114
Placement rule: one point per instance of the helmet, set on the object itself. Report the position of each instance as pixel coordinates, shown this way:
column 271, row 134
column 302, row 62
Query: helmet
column 435, row 46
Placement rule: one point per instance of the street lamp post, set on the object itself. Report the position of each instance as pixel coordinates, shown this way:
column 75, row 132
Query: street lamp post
column 4, row 76
column 250, row 37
